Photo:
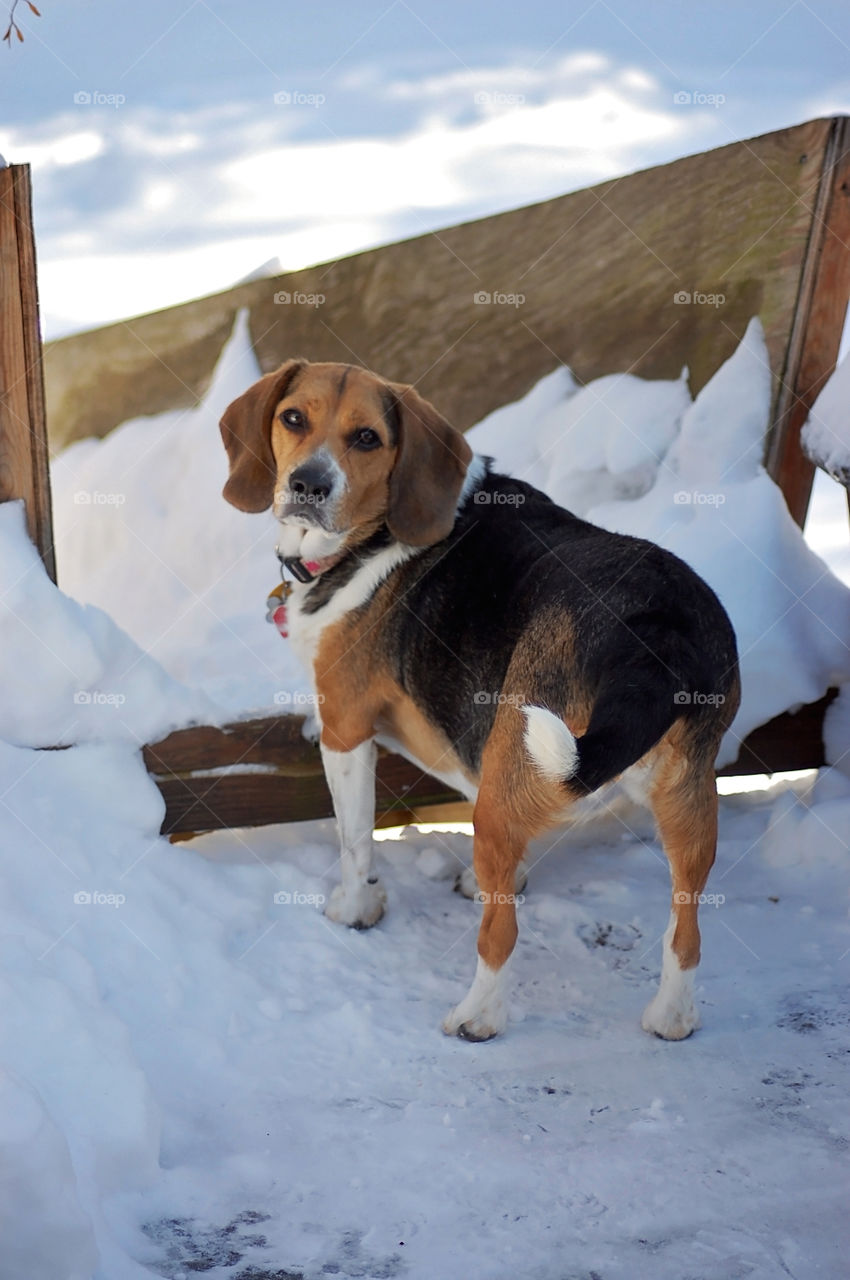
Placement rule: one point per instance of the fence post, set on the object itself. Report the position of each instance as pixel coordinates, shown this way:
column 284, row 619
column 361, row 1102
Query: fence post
column 24, row 470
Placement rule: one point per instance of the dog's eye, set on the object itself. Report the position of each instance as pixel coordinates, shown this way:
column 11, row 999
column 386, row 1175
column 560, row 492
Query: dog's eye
column 366, row 438
column 293, row 418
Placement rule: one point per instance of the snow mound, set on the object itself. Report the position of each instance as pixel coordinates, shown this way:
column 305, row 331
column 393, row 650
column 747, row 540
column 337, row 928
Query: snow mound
column 707, row 498
column 142, row 530
column 76, row 675
column 826, row 434
column 45, row 1233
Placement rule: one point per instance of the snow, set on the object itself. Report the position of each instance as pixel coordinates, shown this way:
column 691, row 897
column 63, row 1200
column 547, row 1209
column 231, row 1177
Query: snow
column 706, row 496
column 77, row 676
column 826, row 434
column 208, row 1068
column 142, row 530
column 199, row 1073
column 827, row 525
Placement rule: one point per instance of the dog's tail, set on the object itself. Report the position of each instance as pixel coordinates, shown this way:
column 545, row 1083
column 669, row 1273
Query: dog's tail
column 628, row 719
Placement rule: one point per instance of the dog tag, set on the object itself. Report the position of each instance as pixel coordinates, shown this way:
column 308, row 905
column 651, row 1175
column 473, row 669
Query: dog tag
column 276, row 606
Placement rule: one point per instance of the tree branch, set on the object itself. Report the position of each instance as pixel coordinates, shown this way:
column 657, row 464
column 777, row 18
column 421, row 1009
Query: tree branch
column 13, row 28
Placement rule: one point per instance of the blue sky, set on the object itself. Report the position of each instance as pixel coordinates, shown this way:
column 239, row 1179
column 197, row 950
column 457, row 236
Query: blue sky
column 164, row 166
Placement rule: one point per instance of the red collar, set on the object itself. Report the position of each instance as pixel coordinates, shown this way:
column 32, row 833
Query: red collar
column 307, row 570
column 303, row 571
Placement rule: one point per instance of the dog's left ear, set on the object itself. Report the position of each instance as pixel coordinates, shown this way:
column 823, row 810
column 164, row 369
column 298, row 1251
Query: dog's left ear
column 429, row 471
column 246, row 431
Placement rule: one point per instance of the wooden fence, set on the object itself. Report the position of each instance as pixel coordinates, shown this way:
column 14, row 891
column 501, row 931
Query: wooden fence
column 764, row 224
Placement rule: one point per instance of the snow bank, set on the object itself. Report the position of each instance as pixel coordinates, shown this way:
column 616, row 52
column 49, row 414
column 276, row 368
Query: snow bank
column 710, row 501
column 142, row 530
column 826, row 434
column 75, row 675
column 44, row 1232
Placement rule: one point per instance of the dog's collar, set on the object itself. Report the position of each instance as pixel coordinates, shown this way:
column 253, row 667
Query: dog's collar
column 307, row 570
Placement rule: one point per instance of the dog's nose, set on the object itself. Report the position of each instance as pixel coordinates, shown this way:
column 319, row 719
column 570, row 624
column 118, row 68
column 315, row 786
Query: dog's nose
column 311, row 482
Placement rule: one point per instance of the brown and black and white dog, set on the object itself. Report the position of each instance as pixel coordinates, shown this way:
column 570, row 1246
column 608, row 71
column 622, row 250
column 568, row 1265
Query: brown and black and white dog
column 510, row 648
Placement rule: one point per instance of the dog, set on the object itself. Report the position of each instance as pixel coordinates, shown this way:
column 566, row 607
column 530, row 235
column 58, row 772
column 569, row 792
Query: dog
column 463, row 619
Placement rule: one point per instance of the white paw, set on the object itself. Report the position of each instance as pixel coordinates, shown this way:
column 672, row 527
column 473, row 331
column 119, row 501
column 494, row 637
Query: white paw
column 483, row 1012
column 359, row 910
column 671, row 1019
column 476, row 1026
column 468, row 885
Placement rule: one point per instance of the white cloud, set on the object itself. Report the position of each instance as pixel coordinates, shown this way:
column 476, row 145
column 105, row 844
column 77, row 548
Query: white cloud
column 91, row 289
column 58, row 152
column 198, row 202
column 551, row 77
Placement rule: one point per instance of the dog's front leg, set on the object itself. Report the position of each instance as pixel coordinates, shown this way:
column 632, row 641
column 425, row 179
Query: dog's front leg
column 359, row 900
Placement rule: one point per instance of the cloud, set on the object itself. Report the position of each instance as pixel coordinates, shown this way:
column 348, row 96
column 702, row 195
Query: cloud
column 144, row 207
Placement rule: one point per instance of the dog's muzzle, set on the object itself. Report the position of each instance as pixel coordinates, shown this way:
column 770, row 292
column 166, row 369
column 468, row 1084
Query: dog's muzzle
column 308, row 494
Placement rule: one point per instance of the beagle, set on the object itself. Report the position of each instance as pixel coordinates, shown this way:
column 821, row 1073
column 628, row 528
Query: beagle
column 463, row 619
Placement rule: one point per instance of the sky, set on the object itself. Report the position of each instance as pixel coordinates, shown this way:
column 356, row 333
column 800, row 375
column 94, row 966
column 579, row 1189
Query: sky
column 178, row 146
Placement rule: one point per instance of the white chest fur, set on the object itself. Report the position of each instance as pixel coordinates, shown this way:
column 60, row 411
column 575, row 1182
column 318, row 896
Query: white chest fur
column 305, row 629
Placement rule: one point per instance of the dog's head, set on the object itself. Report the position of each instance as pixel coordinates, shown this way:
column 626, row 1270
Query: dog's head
column 337, row 451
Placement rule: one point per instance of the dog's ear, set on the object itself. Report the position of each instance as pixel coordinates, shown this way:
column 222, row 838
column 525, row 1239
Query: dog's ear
column 429, row 471
column 246, row 432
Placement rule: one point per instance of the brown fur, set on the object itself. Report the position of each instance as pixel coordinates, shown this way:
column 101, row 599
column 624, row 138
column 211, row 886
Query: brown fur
column 360, row 697
column 412, row 482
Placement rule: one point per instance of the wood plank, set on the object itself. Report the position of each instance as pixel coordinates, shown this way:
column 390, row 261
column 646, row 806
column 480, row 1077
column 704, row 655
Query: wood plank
column 818, row 322
column 793, row 740
column 28, row 270
column 229, row 794
column 598, row 270
column 223, row 800
column 24, row 469
column 271, row 740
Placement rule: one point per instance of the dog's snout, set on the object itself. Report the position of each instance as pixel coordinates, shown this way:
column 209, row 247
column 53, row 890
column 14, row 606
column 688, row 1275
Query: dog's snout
column 311, row 482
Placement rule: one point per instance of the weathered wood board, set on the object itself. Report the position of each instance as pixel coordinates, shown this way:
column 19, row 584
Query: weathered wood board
column 23, row 431
column 818, row 323
column 598, row 270
column 208, row 776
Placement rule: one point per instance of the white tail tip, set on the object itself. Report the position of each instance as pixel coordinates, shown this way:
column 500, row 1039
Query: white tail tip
column 550, row 744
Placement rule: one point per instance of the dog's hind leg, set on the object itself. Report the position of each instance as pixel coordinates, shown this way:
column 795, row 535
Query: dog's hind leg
column 514, row 804
column 684, row 800
column 482, row 1013
column 466, row 884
